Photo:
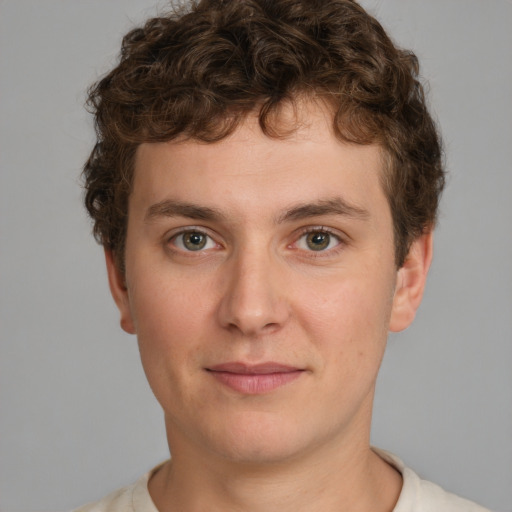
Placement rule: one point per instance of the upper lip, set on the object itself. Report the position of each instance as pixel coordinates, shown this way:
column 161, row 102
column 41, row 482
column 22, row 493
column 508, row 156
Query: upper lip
column 254, row 369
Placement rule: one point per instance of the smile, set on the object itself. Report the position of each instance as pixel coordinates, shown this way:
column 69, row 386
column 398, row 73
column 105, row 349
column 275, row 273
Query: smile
column 254, row 379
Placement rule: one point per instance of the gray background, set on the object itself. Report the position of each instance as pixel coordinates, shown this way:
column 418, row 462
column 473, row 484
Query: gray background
column 77, row 417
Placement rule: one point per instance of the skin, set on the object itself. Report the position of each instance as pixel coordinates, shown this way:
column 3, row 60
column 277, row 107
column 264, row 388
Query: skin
column 258, row 292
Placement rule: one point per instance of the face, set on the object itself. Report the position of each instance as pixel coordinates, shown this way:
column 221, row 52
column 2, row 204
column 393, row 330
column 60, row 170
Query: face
column 261, row 284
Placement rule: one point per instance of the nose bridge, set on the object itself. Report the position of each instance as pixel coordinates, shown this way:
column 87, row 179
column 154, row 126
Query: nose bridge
column 253, row 300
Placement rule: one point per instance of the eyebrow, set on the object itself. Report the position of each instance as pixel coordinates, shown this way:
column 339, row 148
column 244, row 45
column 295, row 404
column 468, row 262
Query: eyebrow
column 332, row 206
column 169, row 208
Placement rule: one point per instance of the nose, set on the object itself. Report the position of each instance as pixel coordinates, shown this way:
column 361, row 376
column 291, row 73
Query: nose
column 254, row 300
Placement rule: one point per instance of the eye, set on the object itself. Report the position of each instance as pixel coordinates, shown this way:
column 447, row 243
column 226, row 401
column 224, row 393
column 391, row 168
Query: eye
column 193, row 241
column 318, row 240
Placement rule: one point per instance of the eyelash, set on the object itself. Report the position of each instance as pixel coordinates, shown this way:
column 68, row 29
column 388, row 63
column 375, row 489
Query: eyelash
column 188, row 230
column 322, row 230
column 304, row 232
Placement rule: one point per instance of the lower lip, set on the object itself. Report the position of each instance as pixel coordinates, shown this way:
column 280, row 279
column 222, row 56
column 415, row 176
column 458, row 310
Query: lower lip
column 255, row 384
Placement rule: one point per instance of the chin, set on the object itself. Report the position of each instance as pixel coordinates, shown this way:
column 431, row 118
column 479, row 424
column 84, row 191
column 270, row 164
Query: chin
column 260, row 439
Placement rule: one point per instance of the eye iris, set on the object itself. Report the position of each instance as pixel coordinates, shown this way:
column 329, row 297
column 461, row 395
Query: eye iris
column 194, row 241
column 318, row 241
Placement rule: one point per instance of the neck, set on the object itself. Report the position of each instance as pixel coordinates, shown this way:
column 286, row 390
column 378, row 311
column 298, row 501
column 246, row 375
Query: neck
column 347, row 478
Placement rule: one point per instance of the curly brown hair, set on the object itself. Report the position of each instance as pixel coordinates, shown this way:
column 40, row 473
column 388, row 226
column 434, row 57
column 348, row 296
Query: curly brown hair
column 199, row 71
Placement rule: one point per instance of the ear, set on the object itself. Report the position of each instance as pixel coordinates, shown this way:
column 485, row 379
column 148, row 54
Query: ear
column 410, row 283
column 119, row 292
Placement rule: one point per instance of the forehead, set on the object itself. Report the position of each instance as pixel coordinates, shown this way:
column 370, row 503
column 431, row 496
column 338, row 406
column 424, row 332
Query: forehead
column 249, row 169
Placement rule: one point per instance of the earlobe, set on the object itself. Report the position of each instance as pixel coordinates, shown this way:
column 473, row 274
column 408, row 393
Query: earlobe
column 410, row 284
column 119, row 292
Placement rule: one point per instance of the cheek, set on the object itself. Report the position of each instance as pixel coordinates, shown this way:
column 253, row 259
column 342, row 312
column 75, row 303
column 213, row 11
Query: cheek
column 349, row 309
column 170, row 320
column 166, row 306
column 348, row 322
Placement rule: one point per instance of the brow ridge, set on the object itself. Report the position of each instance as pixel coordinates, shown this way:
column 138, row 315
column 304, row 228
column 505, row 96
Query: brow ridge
column 170, row 208
column 332, row 206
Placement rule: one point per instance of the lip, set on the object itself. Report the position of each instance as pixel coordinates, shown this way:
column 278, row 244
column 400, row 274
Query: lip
column 254, row 379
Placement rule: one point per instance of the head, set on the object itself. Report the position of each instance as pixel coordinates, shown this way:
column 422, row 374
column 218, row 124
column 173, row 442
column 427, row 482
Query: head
column 199, row 72
column 265, row 182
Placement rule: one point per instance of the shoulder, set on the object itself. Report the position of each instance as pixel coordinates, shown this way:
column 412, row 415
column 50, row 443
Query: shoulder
column 420, row 495
column 116, row 501
column 133, row 498
column 434, row 498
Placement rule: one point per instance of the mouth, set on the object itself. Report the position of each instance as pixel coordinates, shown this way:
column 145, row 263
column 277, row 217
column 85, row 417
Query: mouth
column 254, row 379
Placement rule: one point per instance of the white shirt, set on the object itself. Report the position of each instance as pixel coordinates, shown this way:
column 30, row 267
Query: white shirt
column 417, row 495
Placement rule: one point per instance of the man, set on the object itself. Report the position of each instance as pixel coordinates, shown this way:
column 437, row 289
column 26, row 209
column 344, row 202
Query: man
column 265, row 185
